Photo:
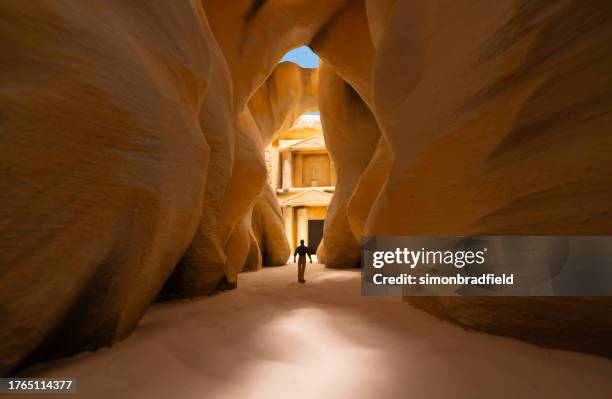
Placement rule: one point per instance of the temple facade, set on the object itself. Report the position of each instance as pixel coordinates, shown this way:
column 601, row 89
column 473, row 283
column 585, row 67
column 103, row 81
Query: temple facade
column 303, row 176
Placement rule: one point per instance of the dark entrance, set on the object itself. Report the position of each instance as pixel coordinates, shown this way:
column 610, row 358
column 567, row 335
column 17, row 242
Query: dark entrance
column 315, row 233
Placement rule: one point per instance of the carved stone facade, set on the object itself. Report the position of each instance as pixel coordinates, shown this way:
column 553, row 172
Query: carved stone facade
column 303, row 177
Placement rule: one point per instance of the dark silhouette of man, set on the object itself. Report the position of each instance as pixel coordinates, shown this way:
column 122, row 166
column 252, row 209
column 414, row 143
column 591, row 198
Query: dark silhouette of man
column 302, row 250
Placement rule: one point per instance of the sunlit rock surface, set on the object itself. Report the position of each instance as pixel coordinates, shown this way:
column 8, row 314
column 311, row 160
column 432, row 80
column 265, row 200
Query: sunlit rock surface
column 254, row 35
column 289, row 92
column 345, row 46
column 242, row 248
column 244, row 188
column 347, row 121
column 269, row 229
column 368, row 187
column 205, row 265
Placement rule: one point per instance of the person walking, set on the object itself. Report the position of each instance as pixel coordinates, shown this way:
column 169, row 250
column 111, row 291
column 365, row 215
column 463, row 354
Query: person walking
column 302, row 251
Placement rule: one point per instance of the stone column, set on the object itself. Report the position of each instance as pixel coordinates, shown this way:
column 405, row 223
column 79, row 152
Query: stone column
column 302, row 224
column 287, row 170
column 288, row 219
column 298, row 171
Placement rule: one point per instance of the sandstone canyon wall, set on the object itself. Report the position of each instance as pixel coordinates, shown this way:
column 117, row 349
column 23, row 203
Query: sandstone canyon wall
column 498, row 115
column 103, row 173
column 351, row 136
column 253, row 36
column 289, row 92
column 501, row 135
column 351, row 131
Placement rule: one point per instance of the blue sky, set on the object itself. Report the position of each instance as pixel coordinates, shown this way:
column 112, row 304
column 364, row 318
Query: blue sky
column 303, row 56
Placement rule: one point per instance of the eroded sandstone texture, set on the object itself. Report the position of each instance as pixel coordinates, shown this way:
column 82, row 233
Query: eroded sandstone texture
column 132, row 137
column 103, row 165
column 289, row 92
column 346, row 119
column 498, row 115
column 505, row 134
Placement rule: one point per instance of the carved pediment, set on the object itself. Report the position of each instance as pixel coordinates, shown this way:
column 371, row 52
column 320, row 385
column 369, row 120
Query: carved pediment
column 313, row 142
column 286, row 144
column 311, row 197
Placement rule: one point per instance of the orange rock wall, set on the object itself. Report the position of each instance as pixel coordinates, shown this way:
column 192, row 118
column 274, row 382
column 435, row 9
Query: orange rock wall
column 104, row 164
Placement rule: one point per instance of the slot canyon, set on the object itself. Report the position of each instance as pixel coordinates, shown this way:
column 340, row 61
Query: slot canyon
column 137, row 211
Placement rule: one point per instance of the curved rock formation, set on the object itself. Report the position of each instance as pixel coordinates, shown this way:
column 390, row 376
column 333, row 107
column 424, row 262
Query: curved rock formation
column 498, row 114
column 205, row 264
column 103, row 173
column 344, row 45
column 277, row 103
column 254, row 35
column 244, row 188
column 289, row 92
column 269, row 229
column 501, row 135
column 378, row 13
column 346, row 119
column 242, row 247
column 368, row 187
column 573, row 323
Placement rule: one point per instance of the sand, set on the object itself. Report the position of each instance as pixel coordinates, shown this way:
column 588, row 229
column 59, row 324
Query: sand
column 273, row 337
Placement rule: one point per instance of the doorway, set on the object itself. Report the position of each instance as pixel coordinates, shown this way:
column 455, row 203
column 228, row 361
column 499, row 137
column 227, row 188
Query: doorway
column 315, row 233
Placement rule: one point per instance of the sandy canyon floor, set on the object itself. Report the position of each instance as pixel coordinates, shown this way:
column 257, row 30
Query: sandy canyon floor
column 273, row 338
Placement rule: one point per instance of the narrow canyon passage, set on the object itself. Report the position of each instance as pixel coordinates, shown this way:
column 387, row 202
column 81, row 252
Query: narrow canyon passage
column 273, row 337
column 160, row 149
